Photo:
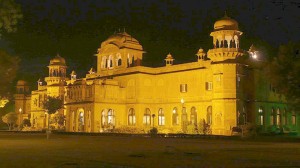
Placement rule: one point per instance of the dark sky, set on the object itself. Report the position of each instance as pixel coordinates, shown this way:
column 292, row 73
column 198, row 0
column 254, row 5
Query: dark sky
column 76, row 28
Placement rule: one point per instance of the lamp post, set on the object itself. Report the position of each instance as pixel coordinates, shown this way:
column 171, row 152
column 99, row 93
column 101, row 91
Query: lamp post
column 20, row 119
column 252, row 52
column 48, row 129
column 153, row 116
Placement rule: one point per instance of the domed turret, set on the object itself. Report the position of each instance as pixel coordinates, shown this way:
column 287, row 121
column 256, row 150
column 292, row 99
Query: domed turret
column 21, row 83
column 121, row 40
column 58, row 60
column 120, row 50
column 226, row 23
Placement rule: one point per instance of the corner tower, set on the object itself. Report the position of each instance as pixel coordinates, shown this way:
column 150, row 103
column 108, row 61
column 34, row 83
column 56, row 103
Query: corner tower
column 119, row 51
column 227, row 105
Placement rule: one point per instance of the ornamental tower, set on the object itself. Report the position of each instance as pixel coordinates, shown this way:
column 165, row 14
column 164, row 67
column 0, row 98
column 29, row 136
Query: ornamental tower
column 119, row 51
column 226, row 40
column 57, row 76
column 227, row 105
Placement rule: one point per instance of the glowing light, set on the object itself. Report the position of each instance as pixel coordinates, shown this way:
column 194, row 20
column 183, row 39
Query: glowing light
column 254, row 56
column 182, row 101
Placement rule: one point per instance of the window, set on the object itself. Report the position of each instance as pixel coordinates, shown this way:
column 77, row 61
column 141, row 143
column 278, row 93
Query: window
column 103, row 119
column 284, row 117
column 238, row 80
column 260, row 116
column 131, row 117
column 208, row 85
column 161, row 117
column 209, row 115
column 272, row 118
column 147, row 117
column 111, row 117
column 175, row 120
column 294, row 122
column 278, row 117
column 193, row 116
column 184, row 118
column 183, row 88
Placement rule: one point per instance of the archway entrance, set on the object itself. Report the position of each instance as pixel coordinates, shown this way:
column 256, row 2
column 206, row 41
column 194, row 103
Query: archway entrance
column 80, row 120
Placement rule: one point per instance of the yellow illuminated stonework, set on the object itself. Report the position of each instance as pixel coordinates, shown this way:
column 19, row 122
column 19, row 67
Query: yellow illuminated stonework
column 216, row 90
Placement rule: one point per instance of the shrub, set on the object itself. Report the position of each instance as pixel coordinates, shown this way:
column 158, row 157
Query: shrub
column 153, row 131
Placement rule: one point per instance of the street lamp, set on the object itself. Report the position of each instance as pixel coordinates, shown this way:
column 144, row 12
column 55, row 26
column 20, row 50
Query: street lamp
column 20, row 119
column 48, row 129
column 153, row 116
column 253, row 52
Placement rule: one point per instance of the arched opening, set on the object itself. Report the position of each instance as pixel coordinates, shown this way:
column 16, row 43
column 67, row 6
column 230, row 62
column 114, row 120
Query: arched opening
column 131, row 117
column 260, row 116
column 284, row 117
column 161, row 117
column 294, row 119
column 175, row 119
column 225, row 44
column 103, row 118
column 278, row 117
column 147, row 117
column 272, row 117
column 193, row 116
column 111, row 117
column 217, row 44
column 209, row 115
column 80, row 120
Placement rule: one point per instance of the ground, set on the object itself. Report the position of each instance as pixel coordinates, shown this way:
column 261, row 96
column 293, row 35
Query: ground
column 62, row 151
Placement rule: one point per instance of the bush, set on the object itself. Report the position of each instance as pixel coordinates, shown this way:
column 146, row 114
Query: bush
column 153, row 131
column 127, row 129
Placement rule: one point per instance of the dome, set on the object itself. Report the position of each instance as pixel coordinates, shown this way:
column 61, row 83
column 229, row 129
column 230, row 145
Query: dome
column 121, row 40
column 21, row 83
column 58, row 60
column 226, row 23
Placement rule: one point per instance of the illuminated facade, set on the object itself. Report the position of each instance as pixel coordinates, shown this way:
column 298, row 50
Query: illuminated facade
column 218, row 90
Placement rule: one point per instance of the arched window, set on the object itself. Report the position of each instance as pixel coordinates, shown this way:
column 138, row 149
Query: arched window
column 131, row 117
column 294, row 121
column 81, row 121
column 110, row 62
column 103, row 118
column 209, row 115
column 175, row 119
column 184, row 118
column 132, row 61
column 110, row 117
column 278, row 117
column 272, row 118
column 73, row 121
column 284, row 117
column 225, row 44
column 217, row 44
column 193, row 116
column 161, row 117
column 103, row 62
column 232, row 44
column 147, row 117
column 260, row 116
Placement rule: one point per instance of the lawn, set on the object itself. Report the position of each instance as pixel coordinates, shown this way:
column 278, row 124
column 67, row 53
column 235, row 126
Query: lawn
column 62, row 151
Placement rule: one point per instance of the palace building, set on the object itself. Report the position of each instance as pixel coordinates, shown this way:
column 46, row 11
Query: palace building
column 223, row 89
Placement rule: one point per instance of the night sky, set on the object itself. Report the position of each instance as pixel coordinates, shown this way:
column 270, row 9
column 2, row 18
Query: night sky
column 76, row 28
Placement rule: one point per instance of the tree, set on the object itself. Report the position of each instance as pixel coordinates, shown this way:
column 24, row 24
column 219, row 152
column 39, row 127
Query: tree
column 10, row 14
column 284, row 72
column 10, row 119
column 53, row 104
column 8, row 70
